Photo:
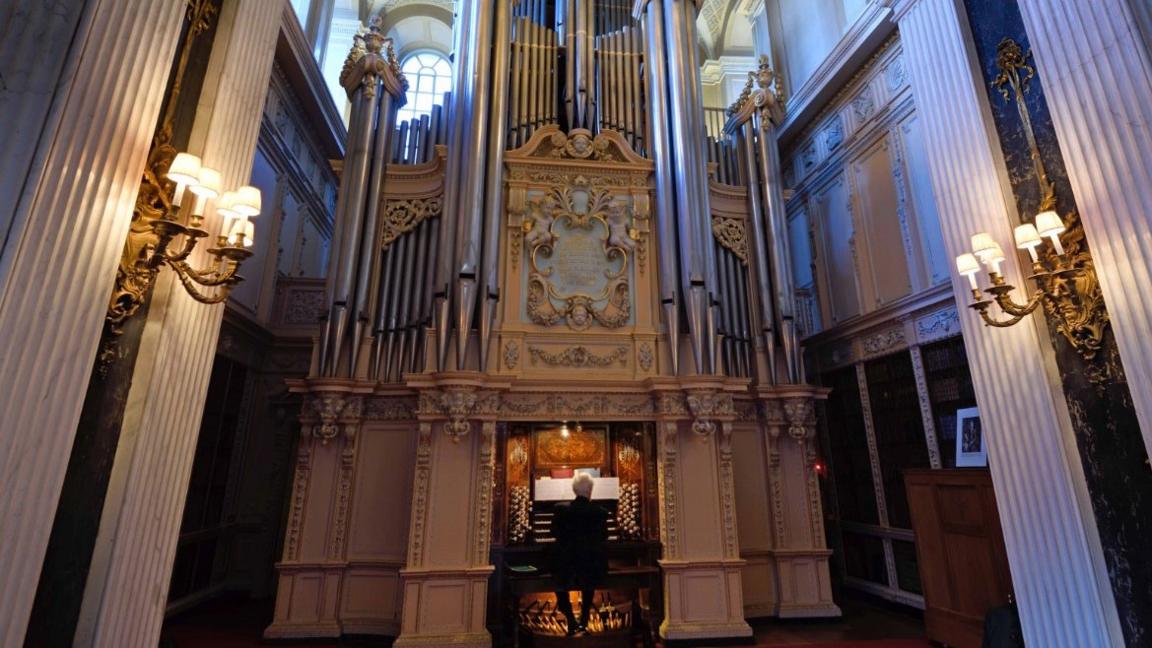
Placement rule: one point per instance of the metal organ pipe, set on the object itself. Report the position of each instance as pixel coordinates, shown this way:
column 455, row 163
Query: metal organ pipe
column 690, row 191
column 661, row 146
column 781, row 265
column 761, row 276
column 495, row 187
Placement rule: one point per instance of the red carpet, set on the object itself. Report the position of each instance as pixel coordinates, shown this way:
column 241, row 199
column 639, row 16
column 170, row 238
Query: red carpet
column 876, row 643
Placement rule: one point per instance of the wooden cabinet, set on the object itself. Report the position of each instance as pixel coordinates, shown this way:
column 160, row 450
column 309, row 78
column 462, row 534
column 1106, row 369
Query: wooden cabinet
column 960, row 548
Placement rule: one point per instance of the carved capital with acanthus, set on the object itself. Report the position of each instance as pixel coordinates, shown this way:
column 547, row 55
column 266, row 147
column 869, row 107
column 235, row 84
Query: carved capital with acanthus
column 459, row 405
column 706, row 406
column 329, row 413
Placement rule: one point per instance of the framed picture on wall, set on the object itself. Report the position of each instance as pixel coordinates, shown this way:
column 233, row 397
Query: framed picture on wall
column 970, row 448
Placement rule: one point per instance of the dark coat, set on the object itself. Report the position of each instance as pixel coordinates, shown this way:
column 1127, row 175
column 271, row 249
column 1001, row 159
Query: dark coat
column 579, row 560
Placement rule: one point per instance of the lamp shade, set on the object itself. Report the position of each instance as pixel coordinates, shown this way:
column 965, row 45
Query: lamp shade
column 185, row 169
column 208, row 185
column 242, row 233
column 226, row 207
column 248, row 201
column 983, row 244
column 1027, row 236
column 1049, row 223
column 966, row 264
column 993, row 257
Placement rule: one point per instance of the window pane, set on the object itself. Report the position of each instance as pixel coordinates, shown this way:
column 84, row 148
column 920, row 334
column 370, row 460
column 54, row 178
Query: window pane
column 429, row 77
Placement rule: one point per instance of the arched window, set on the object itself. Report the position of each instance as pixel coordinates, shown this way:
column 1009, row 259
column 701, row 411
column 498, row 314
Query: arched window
column 429, row 77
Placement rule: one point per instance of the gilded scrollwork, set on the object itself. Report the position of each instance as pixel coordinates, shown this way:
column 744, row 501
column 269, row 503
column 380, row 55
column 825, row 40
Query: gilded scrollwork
column 402, row 216
column 579, row 357
column 577, row 214
column 732, row 234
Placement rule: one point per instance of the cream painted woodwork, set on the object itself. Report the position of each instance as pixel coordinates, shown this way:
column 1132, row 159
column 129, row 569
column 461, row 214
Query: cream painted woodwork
column 346, row 534
column 142, row 512
column 1098, row 79
column 1057, row 570
column 875, row 234
column 81, row 99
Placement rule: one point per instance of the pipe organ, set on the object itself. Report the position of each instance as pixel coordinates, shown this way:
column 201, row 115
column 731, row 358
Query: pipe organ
column 562, row 241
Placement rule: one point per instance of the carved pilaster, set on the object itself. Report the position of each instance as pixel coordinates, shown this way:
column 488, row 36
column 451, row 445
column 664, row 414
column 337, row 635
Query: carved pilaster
column 299, row 494
column 799, row 548
column 420, row 485
column 666, row 443
column 925, row 407
column 350, row 420
column 775, row 422
column 728, row 491
column 486, row 467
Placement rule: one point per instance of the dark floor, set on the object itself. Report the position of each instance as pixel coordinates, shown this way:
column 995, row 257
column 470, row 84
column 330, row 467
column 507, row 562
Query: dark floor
column 866, row 624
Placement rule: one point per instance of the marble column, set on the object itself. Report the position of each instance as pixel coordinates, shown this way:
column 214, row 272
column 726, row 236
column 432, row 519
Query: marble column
column 703, row 591
column 81, row 96
column 445, row 581
column 1053, row 547
column 140, row 524
column 1098, row 80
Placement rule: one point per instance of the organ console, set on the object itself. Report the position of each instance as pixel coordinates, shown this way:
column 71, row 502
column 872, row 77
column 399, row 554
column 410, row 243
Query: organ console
column 538, row 463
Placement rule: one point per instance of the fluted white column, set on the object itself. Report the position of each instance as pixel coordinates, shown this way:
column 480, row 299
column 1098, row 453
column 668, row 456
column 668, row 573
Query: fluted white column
column 127, row 587
column 1098, row 82
column 1057, row 568
column 83, row 86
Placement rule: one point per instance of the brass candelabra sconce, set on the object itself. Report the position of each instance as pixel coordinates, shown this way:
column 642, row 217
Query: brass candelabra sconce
column 167, row 236
column 1063, row 271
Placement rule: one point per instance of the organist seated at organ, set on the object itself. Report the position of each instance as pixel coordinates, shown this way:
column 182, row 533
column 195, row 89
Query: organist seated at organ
column 578, row 559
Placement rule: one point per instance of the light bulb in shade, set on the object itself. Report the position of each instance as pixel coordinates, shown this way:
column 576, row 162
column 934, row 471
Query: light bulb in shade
column 184, row 171
column 226, row 208
column 993, row 257
column 1027, row 238
column 983, row 244
column 208, row 184
column 1049, row 223
column 248, row 201
column 967, row 265
column 249, row 233
column 241, row 233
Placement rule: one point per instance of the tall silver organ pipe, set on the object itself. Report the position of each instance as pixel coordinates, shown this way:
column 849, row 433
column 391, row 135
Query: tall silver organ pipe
column 376, row 88
column 694, row 214
column 661, row 144
column 494, row 212
column 403, row 296
column 782, row 281
column 753, row 122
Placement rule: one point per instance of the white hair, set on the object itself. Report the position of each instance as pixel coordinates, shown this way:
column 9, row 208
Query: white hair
column 582, row 485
